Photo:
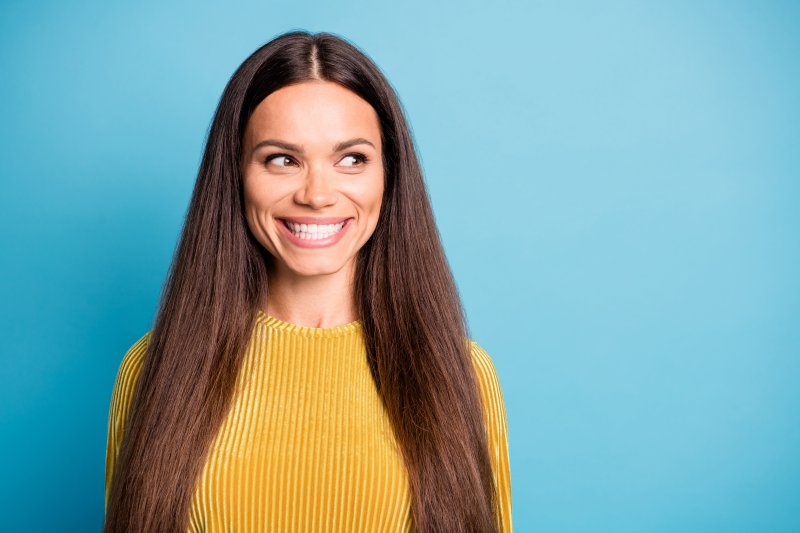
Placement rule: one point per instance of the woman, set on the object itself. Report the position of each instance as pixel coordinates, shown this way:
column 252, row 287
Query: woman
column 309, row 367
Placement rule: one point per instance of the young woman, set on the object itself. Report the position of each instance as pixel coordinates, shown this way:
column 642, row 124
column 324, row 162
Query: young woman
column 309, row 367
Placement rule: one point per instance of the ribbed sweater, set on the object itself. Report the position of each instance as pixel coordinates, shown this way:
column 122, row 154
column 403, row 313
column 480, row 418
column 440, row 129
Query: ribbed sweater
column 307, row 444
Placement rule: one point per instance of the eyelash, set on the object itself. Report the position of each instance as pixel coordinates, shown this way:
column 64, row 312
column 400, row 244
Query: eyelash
column 364, row 159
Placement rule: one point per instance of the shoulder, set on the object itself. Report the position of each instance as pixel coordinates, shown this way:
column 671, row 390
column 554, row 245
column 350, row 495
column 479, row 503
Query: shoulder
column 121, row 395
column 489, row 383
column 128, row 372
column 485, row 369
column 134, row 357
column 497, row 431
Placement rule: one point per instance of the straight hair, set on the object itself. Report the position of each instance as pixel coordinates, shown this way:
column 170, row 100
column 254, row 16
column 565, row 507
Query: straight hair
column 414, row 325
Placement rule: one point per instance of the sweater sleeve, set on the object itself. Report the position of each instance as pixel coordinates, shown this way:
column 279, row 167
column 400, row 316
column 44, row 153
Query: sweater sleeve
column 121, row 396
column 497, row 427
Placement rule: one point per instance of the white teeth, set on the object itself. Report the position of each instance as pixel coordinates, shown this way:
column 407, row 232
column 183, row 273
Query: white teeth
column 314, row 231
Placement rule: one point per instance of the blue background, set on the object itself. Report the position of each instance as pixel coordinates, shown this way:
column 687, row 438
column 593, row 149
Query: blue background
column 616, row 184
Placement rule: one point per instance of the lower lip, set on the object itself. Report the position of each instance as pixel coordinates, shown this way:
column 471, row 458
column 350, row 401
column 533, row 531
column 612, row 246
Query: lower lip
column 315, row 243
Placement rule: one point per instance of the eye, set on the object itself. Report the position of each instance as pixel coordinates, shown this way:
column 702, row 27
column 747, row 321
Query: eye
column 278, row 157
column 357, row 156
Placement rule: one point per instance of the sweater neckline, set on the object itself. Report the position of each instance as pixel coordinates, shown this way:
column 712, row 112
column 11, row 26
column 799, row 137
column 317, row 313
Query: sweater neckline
column 276, row 323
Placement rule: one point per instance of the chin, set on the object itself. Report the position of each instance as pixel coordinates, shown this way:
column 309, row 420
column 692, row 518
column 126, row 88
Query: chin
column 315, row 268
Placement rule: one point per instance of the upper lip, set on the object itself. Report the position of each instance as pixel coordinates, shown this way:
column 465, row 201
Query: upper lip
column 315, row 220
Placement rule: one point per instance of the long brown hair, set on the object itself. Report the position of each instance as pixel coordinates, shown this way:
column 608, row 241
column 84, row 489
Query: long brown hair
column 413, row 321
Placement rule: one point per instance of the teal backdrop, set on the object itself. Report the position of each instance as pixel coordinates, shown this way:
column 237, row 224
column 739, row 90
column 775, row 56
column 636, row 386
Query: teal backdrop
column 616, row 184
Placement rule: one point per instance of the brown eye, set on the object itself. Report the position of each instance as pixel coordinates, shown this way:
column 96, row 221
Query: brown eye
column 360, row 158
column 278, row 157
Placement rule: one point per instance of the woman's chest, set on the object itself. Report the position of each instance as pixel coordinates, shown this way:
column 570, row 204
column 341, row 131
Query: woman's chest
column 307, row 446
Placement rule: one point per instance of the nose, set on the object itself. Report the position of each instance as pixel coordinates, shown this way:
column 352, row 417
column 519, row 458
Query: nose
column 317, row 189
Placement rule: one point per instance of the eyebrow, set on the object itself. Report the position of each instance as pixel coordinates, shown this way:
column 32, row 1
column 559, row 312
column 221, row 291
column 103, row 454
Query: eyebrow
column 299, row 149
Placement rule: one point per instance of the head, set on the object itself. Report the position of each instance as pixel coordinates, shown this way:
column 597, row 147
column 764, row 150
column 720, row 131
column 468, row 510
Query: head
column 307, row 94
column 312, row 176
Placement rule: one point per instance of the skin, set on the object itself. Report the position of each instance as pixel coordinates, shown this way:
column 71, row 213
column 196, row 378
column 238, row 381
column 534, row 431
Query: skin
column 307, row 286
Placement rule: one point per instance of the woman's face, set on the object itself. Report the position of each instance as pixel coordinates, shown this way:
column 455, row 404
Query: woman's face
column 313, row 176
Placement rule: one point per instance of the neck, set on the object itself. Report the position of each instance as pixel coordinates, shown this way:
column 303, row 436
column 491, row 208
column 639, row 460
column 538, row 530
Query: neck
column 317, row 301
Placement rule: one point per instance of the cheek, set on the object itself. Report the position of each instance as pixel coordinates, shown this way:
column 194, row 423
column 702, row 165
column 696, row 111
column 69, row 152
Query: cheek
column 258, row 203
column 364, row 191
column 378, row 195
column 257, row 198
column 372, row 194
column 370, row 200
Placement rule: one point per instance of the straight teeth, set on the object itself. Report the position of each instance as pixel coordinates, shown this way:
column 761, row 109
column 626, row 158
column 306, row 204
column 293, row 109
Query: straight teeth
column 314, row 231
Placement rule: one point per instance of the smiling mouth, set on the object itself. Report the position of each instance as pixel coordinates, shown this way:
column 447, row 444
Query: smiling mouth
column 313, row 232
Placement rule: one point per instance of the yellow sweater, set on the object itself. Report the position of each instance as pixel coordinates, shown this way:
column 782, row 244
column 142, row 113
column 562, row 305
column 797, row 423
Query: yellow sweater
column 307, row 445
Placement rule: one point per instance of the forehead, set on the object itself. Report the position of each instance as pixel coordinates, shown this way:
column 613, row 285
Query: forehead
column 313, row 112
